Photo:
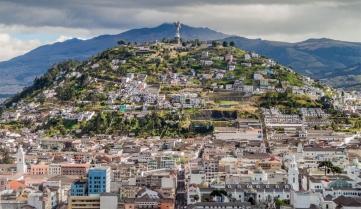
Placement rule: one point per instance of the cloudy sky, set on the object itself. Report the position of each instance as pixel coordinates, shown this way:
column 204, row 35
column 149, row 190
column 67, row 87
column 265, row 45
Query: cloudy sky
column 26, row 24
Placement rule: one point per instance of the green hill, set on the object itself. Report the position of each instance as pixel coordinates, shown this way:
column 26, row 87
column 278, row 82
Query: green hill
column 157, row 90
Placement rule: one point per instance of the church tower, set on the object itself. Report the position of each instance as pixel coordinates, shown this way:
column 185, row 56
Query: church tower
column 293, row 174
column 20, row 161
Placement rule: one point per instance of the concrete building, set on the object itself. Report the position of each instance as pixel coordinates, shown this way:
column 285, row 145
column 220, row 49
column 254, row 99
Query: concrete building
column 74, row 169
column 39, row 169
column 81, row 202
column 98, row 180
column 54, row 169
column 79, row 188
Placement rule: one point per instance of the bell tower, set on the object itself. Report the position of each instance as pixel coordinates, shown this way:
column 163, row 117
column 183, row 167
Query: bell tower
column 293, row 174
column 20, row 161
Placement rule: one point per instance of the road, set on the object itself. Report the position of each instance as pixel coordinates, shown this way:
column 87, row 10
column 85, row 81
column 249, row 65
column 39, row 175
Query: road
column 181, row 197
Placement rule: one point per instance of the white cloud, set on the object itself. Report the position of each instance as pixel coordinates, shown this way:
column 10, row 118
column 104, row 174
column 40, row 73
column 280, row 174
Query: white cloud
column 281, row 20
column 12, row 47
column 62, row 38
column 53, row 31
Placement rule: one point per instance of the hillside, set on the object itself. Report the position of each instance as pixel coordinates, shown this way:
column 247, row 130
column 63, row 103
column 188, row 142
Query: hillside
column 314, row 57
column 319, row 58
column 21, row 71
column 157, row 90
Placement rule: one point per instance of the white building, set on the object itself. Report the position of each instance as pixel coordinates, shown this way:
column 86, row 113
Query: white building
column 293, row 174
column 21, row 166
column 54, row 169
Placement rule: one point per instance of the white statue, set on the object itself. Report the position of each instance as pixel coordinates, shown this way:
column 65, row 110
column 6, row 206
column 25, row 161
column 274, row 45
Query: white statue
column 177, row 34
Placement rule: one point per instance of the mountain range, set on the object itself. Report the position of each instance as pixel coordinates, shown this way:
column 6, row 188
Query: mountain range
column 337, row 62
column 330, row 60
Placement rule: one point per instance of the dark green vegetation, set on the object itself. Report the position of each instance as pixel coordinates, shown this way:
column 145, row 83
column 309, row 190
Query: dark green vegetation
column 165, row 123
column 346, row 123
column 287, row 101
column 328, row 167
column 155, row 124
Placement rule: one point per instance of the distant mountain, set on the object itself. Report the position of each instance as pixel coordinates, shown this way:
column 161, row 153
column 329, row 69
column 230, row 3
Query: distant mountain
column 21, row 71
column 318, row 58
column 349, row 77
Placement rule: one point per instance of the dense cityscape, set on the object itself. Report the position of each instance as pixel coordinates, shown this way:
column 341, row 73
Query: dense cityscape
column 175, row 124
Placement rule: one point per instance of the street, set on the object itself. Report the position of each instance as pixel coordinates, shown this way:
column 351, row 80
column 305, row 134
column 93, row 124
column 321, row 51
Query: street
column 181, row 197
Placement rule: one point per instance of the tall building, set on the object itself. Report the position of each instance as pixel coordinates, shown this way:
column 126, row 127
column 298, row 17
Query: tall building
column 293, row 174
column 79, row 188
column 21, row 167
column 98, row 180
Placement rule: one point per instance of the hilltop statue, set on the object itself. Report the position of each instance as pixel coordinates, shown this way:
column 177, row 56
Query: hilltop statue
column 177, row 33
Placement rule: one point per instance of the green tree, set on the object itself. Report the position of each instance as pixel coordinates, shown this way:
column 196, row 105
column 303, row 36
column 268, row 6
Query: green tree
column 218, row 193
column 326, row 165
column 335, row 170
column 5, row 156
column 225, row 44
column 231, row 44
column 357, row 124
column 280, row 202
column 66, row 93
column 196, row 197
column 215, row 43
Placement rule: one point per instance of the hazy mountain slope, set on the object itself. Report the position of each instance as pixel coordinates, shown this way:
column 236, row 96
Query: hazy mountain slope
column 319, row 58
column 349, row 77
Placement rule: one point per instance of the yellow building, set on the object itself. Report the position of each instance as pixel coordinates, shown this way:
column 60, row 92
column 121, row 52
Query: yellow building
column 83, row 202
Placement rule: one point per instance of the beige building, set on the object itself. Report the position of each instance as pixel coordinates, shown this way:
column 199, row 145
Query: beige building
column 39, row 169
column 104, row 201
